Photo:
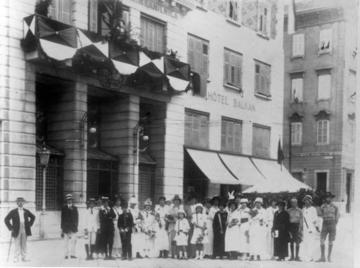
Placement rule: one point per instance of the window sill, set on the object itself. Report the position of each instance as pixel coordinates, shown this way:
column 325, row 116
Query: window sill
column 297, row 57
column 322, row 100
column 262, row 96
column 233, row 87
column 263, row 36
column 233, row 22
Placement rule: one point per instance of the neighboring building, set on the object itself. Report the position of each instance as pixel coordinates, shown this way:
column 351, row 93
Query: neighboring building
column 319, row 95
column 234, row 107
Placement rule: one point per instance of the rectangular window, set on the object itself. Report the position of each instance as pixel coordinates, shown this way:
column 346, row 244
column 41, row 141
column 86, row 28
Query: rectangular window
column 325, row 40
column 196, row 129
column 323, row 130
column 233, row 10
column 231, row 135
column 152, row 34
column 298, row 45
column 61, row 10
column 296, row 133
column 99, row 17
column 322, row 181
column 261, row 141
column 264, row 19
column 198, row 58
column 324, row 86
column 232, row 68
column 297, row 89
column 262, row 78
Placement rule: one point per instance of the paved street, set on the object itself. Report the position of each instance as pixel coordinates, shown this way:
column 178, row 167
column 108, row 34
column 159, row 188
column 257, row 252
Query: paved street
column 50, row 253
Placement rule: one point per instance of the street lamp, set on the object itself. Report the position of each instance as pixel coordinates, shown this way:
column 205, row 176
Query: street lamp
column 44, row 156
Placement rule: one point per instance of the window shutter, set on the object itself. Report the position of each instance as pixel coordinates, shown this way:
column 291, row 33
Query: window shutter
column 204, row 131
column 191, row 52
column 257, row 77
column 54, row 7
column 65, row 10
column 226, row 66
column 238, row 70
column 93, row 15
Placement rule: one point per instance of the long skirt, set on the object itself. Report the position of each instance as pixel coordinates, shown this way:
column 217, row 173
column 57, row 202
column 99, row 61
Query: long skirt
column 243, row 246
column 219, row 245
column 162, row 240
column 209, row 246
column 232, row 238
column 310, row 245
column 258, row 240
column 138, row 243
column 117, row 242
column 171, row 235
column 281, row 248
column 269, row 243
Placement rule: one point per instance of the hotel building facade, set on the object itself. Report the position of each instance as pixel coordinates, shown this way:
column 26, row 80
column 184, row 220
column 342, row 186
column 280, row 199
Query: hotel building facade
column 95, row 134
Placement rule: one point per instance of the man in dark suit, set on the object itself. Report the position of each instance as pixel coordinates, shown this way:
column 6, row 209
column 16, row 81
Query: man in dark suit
column 107, row 216
column 126, row 224
column 69, row 226
column 19, row 222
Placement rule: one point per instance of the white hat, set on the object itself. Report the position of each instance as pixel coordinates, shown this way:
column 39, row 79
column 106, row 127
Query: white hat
column 244, row 200
column 68, row 196
column 199, row 205
column 181, row 211
column 258, row 200
column 148, row 202
column 133, row 200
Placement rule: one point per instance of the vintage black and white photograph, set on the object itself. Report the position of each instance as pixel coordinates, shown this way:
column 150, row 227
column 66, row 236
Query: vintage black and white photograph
column 179, row 133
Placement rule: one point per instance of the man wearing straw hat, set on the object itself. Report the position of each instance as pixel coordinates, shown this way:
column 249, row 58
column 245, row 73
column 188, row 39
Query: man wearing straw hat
column 311, row 229
column 69, row 226
column 19, row 222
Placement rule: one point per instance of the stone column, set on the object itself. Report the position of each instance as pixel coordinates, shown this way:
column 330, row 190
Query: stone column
column 118, row 120
column 67, row 131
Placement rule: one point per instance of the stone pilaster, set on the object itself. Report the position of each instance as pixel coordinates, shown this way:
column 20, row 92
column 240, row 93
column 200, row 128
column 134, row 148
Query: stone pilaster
column 67, row 131
column 119, row 118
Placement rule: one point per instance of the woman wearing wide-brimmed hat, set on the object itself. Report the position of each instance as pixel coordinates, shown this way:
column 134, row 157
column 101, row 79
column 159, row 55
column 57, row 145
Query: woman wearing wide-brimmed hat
column 311, row 230
column 199, row 235
column 257, row 231
column 148, row 228
column 182, row 228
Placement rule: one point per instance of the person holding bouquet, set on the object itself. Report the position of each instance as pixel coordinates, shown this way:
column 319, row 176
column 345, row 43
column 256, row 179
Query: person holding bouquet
column 199, row 235
column 149, row 221
column 182, row 229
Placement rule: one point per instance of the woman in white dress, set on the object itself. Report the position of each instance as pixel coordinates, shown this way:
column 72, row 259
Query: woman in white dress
column 244, row 212
column 161, row 217
column 270, row 212
column 148, row 228
column 117, row 242
column 171, row 223
column 138, row 236
column 311, row 230
column 257, row 231
column 210, row 210
column 232, row 233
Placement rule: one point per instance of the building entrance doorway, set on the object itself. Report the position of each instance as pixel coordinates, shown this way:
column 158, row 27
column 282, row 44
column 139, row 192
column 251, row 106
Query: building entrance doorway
column 321, row 181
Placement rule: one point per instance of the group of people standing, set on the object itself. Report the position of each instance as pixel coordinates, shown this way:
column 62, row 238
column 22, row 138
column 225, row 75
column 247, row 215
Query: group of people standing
column 242, row 230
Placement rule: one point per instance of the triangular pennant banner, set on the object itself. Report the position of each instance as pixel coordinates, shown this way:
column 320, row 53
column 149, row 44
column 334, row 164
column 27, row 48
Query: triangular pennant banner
column 159, row 63
column 178, row 84
column 83, row 40
column 57, row 51
column 124, row 68
column 143, row 59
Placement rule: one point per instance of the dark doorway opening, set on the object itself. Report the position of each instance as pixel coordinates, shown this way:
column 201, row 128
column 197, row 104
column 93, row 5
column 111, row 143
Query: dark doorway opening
column 348, row 192
column 321, row 181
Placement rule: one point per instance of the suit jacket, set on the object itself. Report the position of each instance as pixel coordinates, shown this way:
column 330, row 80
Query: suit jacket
column 69, row 219
column 126, row 221
column 107, row 217
column 12, row 221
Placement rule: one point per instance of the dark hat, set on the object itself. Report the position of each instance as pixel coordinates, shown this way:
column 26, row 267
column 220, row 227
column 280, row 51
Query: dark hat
column 329, row 194
column 177, row 197
column 281, row 203
column 162, row 198
column 232, row 202
column 222, row 202
column 215, row 198
column 68, row 197
column 20, row 199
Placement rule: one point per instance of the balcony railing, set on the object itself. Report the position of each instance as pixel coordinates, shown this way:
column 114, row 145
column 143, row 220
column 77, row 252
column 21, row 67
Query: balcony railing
column 114, row 63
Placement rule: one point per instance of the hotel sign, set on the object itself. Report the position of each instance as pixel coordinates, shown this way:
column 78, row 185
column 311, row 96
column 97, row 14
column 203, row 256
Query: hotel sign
column 230, row 101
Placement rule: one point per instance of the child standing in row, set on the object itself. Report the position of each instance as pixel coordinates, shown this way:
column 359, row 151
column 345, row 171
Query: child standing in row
column 161, row 236
column 199, row 236
column 182, row 229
